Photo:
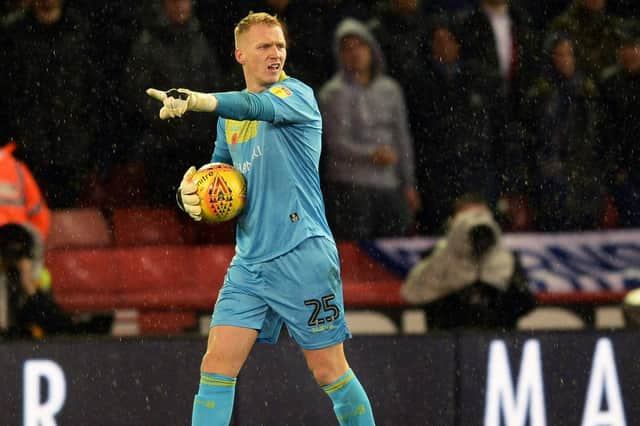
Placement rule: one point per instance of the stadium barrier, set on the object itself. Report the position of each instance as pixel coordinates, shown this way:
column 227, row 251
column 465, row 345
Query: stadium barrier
column 169, row 285
column 584, row 378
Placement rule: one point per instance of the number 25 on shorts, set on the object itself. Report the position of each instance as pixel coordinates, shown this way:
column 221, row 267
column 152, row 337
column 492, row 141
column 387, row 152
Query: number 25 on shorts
column 324, row 304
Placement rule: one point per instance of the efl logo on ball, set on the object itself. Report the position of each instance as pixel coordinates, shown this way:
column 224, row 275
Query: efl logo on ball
column 222, row 190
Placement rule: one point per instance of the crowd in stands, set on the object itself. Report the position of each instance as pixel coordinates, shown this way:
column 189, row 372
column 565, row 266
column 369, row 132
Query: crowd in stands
column 533, row 106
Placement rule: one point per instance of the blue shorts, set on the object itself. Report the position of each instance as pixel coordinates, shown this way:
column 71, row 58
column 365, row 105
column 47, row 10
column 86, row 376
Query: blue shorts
column 302, row 289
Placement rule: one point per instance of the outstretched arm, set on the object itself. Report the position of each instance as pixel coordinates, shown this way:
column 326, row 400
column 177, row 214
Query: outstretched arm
column 234, row 105
column 175, row 102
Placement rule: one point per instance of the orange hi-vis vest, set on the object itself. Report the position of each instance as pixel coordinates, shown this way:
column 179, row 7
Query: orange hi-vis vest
column 20, row 197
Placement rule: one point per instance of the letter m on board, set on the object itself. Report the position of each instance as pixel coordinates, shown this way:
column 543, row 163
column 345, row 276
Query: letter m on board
column 520, row 405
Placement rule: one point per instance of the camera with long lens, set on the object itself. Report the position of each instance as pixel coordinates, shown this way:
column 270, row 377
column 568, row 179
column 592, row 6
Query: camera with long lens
column 16, row 243
column 474, row 232
column 481, row 238
column 14, row 246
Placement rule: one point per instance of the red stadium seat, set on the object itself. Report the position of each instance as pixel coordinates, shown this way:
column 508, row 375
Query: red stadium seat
column 155, row 275
column 79, row 227
column 163, row 322
column 84, row 279
column 85, row 269
column 210, row 263
column 146, row 226
column 170, row 285
column 210, row 233
column 209, row 267
column 126, row 185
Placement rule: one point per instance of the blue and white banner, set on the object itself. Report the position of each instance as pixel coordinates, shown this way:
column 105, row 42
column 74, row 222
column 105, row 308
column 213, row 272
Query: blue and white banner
column 562, row 262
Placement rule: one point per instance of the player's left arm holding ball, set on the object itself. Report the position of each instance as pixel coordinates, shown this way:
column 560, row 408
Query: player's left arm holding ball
column 236, row 105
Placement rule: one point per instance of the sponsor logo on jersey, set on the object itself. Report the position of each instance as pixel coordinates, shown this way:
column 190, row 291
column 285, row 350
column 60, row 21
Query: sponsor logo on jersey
column 240, row 131
column 245, row 166
column 281, row 91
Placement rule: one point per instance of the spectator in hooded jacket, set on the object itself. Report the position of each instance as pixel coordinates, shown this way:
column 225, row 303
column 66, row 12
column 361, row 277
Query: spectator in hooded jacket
column 368, row 154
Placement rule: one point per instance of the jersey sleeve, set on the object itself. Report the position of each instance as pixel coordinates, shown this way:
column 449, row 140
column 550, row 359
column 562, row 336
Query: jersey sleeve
column 221, row 152
column 287, row 101
column 293, row 102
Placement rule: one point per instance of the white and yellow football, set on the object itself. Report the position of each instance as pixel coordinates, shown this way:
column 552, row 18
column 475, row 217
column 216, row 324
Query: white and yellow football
column 222, row 190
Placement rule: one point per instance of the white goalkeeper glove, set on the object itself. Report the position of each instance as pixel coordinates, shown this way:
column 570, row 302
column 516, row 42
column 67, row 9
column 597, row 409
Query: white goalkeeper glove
column 187, row 195
column 175, row 102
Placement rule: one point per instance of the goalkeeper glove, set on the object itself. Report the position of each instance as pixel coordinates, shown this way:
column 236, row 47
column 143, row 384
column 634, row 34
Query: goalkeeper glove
column 187, row 196
column 175, row 102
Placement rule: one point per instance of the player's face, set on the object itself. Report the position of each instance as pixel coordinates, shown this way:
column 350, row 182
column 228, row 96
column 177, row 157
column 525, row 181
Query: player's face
column 262, row 51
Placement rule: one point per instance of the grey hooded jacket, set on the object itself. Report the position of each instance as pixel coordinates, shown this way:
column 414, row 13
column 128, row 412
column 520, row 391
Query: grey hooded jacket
column 358, row 119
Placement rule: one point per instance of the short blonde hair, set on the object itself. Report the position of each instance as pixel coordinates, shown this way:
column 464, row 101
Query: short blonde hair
column 256, row 18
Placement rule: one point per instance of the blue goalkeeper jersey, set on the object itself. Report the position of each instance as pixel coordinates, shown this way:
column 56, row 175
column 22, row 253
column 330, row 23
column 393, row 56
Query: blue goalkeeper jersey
column 274, row 138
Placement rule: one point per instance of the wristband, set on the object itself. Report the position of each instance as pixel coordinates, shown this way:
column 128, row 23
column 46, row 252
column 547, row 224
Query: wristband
column 179, row 200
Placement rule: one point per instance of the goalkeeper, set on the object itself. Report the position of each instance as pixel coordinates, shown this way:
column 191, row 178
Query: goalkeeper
column 286, row 268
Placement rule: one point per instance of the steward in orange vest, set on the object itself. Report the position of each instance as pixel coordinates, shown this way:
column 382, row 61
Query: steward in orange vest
column 24, row 214
column 20, row 197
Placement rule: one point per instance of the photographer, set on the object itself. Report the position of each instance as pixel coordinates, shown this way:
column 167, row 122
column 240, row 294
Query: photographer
column 24, row 224
column 470, row 278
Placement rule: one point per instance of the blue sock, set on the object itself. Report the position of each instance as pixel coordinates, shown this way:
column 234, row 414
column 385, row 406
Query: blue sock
column 350, row 401
column 213, row 404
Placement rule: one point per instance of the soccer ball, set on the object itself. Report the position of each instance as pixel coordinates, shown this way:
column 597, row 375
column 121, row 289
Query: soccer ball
column 222, row 190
